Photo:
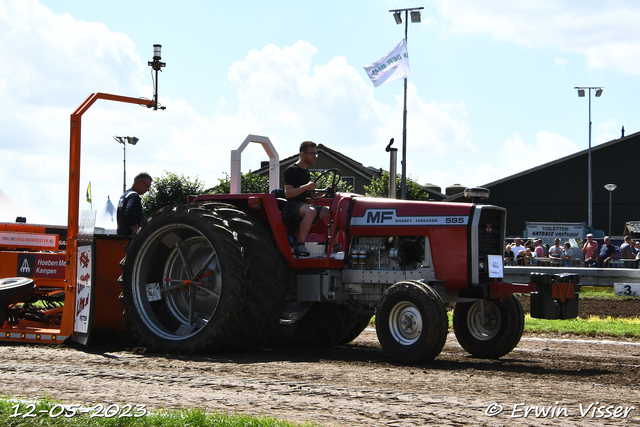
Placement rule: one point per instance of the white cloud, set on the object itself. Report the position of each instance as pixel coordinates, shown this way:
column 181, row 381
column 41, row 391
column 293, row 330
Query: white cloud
column 561, row 62
column 329, row 104
column 281, row 92
column 437, row 128
column 437, row 135
column 604, row 32
column 606, row 130
column 55, row 58
column 50, row 64
column 334, row 105
column 516, row 155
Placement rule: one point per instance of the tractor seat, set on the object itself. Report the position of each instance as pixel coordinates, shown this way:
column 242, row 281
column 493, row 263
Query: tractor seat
column 288, row 220
column 280, row 197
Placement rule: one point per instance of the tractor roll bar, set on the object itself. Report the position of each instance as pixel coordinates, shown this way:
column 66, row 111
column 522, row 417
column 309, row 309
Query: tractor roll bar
column 74, row 173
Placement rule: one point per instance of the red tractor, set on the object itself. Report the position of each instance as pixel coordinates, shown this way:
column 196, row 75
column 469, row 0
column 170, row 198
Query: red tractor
column 219, row 273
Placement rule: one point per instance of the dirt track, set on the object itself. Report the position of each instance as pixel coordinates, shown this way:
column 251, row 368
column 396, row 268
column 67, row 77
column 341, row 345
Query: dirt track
column 354, row 385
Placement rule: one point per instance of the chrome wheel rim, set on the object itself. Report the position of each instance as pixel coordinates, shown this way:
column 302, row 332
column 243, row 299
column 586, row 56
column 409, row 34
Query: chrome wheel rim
column 405, row 323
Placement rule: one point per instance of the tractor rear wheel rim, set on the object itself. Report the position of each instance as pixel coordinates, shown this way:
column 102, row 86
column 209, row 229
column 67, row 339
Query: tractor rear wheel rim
column 191, row 304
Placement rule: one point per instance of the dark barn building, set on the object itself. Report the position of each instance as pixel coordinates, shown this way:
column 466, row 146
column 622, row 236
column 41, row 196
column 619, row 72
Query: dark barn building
column 558, row 191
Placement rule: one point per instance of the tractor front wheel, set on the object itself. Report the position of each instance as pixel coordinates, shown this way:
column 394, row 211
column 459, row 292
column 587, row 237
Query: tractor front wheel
column 490, row 334
column 411, row 322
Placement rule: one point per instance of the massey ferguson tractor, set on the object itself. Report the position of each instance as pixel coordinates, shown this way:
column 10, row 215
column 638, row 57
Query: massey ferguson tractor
column 217, row 273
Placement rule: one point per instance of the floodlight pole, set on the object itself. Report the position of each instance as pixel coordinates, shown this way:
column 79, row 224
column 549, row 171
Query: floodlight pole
column 396, row 12
column 124, row 140
column 124, row 167
column 581, row 90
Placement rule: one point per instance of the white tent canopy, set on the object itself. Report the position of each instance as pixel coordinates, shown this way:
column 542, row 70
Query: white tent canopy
column 106, row 218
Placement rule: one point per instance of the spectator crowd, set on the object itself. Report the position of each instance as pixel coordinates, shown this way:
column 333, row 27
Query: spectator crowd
column 563, row 254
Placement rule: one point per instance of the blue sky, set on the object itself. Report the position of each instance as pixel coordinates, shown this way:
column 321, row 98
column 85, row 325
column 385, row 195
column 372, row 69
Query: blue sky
column 491, row 91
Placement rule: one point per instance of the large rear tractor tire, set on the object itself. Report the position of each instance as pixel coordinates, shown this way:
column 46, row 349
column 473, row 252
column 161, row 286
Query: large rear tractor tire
column 411, row 322
column 194, row 281
column 268, row 272
column 493, row 335
column 361, row 323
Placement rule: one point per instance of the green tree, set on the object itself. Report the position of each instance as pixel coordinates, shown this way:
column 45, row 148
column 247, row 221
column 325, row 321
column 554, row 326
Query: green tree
column 249, row 183
column 324, row 182
column 168, row 190
column 380, row 188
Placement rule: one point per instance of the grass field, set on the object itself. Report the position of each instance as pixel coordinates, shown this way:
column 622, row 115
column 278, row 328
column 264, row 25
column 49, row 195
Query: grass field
column 603, row 293
column 592, row 326
column 53, row 414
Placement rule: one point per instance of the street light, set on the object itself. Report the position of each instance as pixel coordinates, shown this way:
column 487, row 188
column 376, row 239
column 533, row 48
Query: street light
column 610, row 187
column 415, row 17
column 156, row 65
column 124, row 140
column 581, row 93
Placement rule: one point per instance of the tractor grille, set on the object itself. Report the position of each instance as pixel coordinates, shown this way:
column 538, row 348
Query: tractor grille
column 490, row 232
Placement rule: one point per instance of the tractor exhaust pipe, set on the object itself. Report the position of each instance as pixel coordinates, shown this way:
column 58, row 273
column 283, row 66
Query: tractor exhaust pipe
column 393, row 169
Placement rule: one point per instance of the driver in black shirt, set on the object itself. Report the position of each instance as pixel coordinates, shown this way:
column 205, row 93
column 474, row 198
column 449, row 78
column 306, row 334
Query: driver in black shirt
column 297, row 185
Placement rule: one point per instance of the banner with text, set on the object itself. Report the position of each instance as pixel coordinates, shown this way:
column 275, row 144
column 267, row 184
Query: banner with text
column 83, row 290
column 548, row 232
column 393, row 66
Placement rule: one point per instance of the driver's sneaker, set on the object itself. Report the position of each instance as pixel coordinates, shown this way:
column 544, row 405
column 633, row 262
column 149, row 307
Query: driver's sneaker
column 300, row 250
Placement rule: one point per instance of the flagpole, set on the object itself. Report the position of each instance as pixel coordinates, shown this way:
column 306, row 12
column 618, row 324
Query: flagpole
column 379, row 72
column 89, row 197
column 403, row 182
column 415, row 17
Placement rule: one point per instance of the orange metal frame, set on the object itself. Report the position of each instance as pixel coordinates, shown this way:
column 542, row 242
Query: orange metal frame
column 66, row 328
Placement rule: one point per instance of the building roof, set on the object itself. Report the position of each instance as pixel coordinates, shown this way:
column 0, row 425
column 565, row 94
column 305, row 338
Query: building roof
column 368, row 172
column 594, row 149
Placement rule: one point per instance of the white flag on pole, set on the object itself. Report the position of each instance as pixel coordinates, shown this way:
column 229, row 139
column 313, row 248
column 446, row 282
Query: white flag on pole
column 393, row 66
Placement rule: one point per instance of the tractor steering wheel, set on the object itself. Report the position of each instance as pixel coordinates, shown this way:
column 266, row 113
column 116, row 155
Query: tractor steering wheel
column 333, row 183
